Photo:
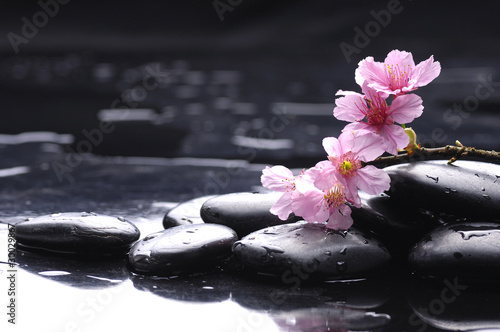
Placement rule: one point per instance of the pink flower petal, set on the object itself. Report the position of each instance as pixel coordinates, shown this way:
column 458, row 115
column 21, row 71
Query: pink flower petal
column 283, row 206
column 360, row 139
column 404, row 109
column 394, row 138
column 346, row 109
column 332, row 146
column 373, row 180
column 426, row 71
column 373, row 73
column 352, row 194
column 276, row 178
column 308, row 204
column 325, row 175
column 341, row 219
column 358, row 126
column 401, row 58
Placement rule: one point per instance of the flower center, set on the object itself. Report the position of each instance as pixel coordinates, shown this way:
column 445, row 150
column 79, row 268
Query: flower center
column 334, row 196
column 398, row 77
column 290, row 184
column 375, row 110
column 348, row 165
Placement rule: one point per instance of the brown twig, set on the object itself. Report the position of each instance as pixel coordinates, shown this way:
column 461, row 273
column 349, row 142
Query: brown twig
column 450, row 152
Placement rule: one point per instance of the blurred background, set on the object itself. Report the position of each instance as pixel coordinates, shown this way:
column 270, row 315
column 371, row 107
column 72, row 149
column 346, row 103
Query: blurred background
column 233, row 79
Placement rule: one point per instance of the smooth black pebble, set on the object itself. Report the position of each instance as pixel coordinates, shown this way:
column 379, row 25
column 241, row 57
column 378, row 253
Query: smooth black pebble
column 466, row 249
column 301, row 250
column 77, row 233
column 244, row 212
column 464, row 188
column 182, row 249
column 185, row 213
column 397, row 225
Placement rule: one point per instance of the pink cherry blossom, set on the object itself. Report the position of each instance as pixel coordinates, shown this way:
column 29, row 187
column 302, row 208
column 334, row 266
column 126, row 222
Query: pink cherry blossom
column 281, row 179
column 371, row 112
column 345, row 155
column 398, row 74
column 315, row 205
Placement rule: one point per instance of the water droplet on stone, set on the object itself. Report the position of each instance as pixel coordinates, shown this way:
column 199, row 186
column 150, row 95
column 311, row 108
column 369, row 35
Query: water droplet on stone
column 483, row 189
column 343, row 251
column 328, row 253
column 271, row 249
column 436, row 179
column 53, row 273
column 55, row 214
column 487, row 197
column 341, row 266
column 466, row 235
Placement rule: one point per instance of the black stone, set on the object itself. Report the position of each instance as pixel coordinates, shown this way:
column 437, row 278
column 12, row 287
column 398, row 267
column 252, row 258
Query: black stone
column 244, row 212
column 396, row 224
column 464, row 188
column 182, row 249
column 301, row 250
column 469, row 250
column 185, row 213
column 79, row 233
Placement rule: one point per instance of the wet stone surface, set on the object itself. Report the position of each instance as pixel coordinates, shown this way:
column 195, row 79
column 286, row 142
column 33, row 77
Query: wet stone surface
column 464, row 188
column 396, row 224
column 462, row 249
column 79, row 233
column 186, row 213
column 302, row 250
column 182, row 249
column 244, row 212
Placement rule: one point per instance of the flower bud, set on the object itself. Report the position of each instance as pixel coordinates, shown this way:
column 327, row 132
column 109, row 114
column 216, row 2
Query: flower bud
column 412, row 146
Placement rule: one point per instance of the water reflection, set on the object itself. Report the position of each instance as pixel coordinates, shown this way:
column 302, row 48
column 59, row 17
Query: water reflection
column 453, row 304
column 82, row 273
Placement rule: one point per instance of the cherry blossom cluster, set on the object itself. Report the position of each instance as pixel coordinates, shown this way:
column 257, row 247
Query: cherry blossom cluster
column 377, row 119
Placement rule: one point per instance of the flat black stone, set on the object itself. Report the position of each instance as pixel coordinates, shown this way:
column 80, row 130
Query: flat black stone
column 467, row 249
column 301, row 250
column 182, row 249
column 244, row 212
column 185, row 213
column 464, row 188
column 79, row 233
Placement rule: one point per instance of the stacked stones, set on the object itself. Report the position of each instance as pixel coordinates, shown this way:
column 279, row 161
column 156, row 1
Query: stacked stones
column 438, row 219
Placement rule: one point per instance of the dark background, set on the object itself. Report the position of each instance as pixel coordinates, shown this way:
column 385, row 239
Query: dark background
column 90, row 53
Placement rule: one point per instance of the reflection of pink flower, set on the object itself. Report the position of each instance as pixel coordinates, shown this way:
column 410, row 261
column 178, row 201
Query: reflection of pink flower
column 398, row 74
column 315, row 205
column 371, row 112
column 281, row 179
column 345, row 155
